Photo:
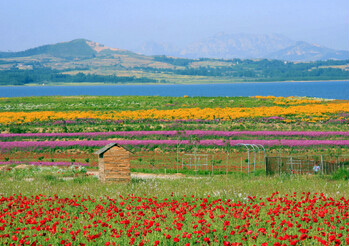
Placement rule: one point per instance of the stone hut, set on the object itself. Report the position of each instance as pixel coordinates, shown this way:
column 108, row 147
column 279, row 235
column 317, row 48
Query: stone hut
column 114, row 163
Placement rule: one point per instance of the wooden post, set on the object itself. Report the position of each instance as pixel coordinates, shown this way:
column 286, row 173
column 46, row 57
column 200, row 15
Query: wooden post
column 322, row 164
column 241, row 162
column 226, row 169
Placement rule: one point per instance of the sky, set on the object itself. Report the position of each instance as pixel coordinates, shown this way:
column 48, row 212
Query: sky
column 126, row 24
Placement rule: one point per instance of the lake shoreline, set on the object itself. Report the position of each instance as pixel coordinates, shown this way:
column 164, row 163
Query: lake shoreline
column 318, row 89
column 138, row 84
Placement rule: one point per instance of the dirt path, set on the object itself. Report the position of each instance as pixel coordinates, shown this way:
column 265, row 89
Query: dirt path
column 148, row 175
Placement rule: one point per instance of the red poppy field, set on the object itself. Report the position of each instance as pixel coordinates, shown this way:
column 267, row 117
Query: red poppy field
column 290, row 219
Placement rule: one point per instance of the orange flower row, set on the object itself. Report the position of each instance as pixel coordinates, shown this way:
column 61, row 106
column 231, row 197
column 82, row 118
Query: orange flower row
column 316, row 112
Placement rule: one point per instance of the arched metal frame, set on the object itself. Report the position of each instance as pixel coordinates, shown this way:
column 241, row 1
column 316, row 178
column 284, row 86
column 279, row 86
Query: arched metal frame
column 249, row 147
column 259, row 153
column 252, row 147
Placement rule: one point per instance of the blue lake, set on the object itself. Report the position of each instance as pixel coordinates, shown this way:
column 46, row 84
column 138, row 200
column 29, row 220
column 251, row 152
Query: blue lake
column 327, row 89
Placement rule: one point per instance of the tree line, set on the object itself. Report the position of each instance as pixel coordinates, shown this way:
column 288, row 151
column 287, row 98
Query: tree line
column 17, row 76
column 257, row 70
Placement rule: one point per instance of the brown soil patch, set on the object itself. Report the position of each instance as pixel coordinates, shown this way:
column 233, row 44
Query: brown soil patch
column 147, row 175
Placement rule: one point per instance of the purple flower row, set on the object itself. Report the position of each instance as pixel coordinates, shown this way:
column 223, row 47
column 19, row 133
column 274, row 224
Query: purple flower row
column 282, row 142
column 179, row 133
column 43, row 163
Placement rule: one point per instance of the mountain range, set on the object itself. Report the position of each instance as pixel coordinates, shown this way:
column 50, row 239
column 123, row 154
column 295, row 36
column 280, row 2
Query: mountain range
column 220, row 46
column 82, row 60
column 246, row 46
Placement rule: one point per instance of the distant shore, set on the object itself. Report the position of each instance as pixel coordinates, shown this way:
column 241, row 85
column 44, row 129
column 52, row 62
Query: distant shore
column 185, row 83
column 325, row 89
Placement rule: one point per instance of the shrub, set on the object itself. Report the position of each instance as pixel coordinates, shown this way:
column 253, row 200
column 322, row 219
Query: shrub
column 341, row 174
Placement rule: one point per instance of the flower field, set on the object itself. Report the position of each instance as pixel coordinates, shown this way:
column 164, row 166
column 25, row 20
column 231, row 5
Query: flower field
column 291, row 109
column 82, row 143
column 70, row 129
column 167, row 149
column 192, row 142
column 176, row 133
column 291, row 219
column 308, row 113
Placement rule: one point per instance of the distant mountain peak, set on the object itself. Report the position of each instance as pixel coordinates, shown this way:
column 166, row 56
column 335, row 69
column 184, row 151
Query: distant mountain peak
column 303, row 51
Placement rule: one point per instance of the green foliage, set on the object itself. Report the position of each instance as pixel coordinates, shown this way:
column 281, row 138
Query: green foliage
column 81, row 180
column 49, row 177
column 17, row 76
column 102, row 103
column 262, row 70
column 15, row 129
column 341, row 174
column 234, row 185
column 174, row 61
column 259, row 173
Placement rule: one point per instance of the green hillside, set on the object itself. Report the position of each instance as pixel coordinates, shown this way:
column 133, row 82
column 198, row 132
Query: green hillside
column 84, row 61
column 77, row 48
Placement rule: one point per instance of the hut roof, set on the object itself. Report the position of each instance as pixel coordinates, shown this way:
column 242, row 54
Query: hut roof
column 107, row 147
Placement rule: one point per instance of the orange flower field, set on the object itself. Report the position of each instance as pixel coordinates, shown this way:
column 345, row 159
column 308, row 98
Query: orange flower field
column 309, row 112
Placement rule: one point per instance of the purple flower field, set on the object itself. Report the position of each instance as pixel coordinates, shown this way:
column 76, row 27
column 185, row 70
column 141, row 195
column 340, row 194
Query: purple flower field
column 282, row 142
column 179, row 133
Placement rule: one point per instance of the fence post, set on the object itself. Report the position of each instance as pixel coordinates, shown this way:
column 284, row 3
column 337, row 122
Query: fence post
column 226, row 169
column 206, row 162
column 254, row 162
column 259, row 159
column 248, row 162
column 177, row 157
column 212, row 162
column 195, row 161
column 182, row 162
column 322, row 164
column 241, row 162
column 291, row 163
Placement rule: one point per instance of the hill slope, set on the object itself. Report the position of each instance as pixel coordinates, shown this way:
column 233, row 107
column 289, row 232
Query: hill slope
column 74, row 48
column 77, row 48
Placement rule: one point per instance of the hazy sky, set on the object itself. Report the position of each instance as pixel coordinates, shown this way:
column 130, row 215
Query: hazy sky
column 128, row 23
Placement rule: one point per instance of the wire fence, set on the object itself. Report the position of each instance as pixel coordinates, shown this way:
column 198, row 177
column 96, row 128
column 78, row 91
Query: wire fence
column 217, row 161
column 305, row 164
